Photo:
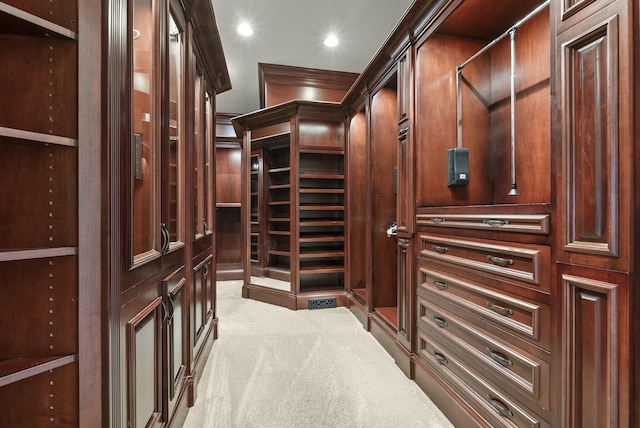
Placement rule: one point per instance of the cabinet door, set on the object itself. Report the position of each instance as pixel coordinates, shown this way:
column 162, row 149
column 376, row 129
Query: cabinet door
column 202, row 157
column 595, row 142
column 173, row 149
column 405, row 192
column 595, row 75
column 405, row 85
column 144, row 366
column 405, row 188
column 176, row 337
column 145, row 233
column 595, row 333
column 203, row 292
column 405, row 293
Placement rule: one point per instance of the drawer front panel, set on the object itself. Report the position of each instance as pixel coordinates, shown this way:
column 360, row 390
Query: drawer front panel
column 520, row 223
column 501, row 363
column 527, row 319
column 498, row 409
column 522, row 263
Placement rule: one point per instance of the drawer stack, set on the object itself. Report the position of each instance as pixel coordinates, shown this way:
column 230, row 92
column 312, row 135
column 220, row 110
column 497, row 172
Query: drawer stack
column 484, row 311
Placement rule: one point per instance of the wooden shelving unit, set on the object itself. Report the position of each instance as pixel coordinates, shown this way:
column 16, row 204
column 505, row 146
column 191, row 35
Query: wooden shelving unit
column 278, row 185
column 321, row 219
column 298, row 150
column 39, row 218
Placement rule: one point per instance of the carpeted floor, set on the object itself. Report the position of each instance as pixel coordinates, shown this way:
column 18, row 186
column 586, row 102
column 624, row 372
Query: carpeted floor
column 273, row 367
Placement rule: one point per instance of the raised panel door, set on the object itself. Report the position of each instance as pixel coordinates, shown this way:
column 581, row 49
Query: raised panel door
column 176, row 295
column 144, row 366
column 405, row 293
column 596, row 359
column 203, row 294
column 405, row 85
column 594, row 144
column 405, row 189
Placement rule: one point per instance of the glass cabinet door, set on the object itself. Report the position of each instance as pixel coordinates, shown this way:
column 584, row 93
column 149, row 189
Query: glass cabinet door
column 203, row 163
column 145, row 233
column 198, row 156
column 209, row 163
column 174, row 146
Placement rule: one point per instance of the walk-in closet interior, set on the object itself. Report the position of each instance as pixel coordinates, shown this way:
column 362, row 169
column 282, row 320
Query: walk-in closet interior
column 469, row 196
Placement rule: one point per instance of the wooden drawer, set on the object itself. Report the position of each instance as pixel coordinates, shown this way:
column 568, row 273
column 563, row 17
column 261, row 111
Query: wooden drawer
column 519, row 223
column 525, row 318
column 526, row 264
column 498, row 409
column 504, row 365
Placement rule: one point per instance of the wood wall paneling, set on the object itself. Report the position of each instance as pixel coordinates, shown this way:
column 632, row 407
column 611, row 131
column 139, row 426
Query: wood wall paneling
column 533, row 115
column 436, row 61
column 228, row 236
column 357, row 183
column 486, row 108
column 228, row 183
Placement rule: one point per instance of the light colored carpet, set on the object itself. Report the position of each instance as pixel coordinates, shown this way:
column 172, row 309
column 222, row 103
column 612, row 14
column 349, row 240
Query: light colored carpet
column 273, row 367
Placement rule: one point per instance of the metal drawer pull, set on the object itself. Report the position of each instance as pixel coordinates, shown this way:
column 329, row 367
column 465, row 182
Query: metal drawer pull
column 164, row 239
column 500, row 309
column 441, row 285
column 441, row 358
column 440, row 249
column 500, row 261
column 497, row 223
column 403, row 132
column 499, row 407
column 442, row 323
column 437, row 220
column 499, row 358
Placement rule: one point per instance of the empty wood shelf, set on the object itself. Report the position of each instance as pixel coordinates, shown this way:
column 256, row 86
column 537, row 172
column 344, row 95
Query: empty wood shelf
column 20, row 22
column 311, row 237
column 17, row 369
column 388, row 314
column 36, row 253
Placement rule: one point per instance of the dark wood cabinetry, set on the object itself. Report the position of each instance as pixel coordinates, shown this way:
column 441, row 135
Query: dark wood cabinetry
column 595, row 194
column 43, row 344
column 97, row 155
column 523, row 284
column 295, row 203
column 381, row 208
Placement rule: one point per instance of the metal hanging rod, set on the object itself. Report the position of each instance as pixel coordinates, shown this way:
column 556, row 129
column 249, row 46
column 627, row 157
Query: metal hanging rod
column 531, row 14
column 514, row 188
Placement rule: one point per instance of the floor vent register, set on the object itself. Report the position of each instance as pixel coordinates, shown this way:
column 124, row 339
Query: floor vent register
column 322, row 303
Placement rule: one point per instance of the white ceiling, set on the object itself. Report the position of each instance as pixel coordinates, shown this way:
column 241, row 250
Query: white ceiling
column 291, row 32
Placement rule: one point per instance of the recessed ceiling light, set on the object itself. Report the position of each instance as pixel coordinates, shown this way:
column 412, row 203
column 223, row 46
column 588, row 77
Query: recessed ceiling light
column 245, row 29
column 331, row 41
